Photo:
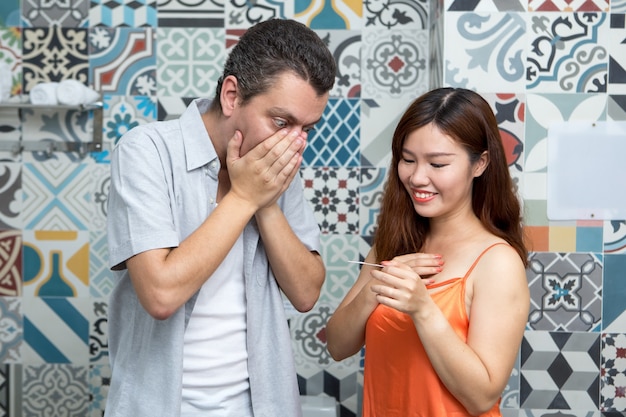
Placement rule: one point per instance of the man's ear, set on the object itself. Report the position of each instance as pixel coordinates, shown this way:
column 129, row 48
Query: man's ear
column 481, row 165
column 228, row 95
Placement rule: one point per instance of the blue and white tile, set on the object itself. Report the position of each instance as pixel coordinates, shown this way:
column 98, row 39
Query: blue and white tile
column 11, row 330
column 101, row 278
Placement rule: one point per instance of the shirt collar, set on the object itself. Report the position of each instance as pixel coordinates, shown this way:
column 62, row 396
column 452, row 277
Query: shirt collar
column 199, row 149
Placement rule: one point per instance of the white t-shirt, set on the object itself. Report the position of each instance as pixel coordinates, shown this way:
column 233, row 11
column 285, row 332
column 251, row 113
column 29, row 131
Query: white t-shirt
column 215, row 361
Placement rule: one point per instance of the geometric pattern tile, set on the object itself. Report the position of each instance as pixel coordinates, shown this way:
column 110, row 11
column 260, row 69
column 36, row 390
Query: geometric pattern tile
column 38, row 13
column 560, row 370
column 56, row 330
column 614, row 294
column 57, row 196
column 10, row 195
column 568, row 5
column 123, row 60
column 99, row 381
column 55, row 390
column 123, row 13
column 335, row 140
column 192, row 14
column 394, row 63
column 333, row 193
column 11, row 330
column 379, row 119
column 56, row 263
column 101, row 278
column 577, row 63
column 566, row 291
column 617, row 58
column 613, row 372
column 337, row 251
column 615, row 108
column 189, row 61
column 10, row 262
column 54, row 54
column 10, row 390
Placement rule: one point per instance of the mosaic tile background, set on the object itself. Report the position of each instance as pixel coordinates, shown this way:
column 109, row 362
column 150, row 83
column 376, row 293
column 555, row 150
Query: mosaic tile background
column 536, row 62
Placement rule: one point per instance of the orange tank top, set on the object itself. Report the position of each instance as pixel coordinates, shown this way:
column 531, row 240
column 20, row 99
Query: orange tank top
column 399, row 380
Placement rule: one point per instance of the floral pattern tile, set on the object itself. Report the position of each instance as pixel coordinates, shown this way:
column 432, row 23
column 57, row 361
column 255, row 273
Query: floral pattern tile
column 566, row 291
column 99, row 382
column 242, row 15
column 55, row 390
column 99, row 333
column 54, row 54
column 394, row 63
column 485, row 51
column 346, row 48
column 11, row 56
column 613, row 373
column 340, row 274
column 577, row 63
column 388, row 14
column 122, row 113
column 334, row 196
column 189, row 61
column 371, row 194
column 123, row 60
column 36, row 13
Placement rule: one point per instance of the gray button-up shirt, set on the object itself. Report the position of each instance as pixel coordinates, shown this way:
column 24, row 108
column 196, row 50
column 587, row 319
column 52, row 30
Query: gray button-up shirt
column 163, row 186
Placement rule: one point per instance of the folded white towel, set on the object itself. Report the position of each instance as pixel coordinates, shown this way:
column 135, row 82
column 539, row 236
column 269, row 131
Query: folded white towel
column 44, row 93
column 6, row 81
column 73, row 93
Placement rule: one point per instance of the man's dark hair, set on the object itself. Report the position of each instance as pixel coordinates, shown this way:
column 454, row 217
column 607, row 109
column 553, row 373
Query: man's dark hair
column 270, row 48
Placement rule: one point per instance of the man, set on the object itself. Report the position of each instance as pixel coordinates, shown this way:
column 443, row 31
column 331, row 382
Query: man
column 206, row 227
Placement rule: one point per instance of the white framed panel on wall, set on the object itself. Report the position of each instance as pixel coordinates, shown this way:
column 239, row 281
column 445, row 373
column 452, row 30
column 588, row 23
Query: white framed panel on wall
column 587, row 171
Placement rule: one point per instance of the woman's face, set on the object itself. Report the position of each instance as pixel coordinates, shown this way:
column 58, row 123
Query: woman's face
column 437, row 173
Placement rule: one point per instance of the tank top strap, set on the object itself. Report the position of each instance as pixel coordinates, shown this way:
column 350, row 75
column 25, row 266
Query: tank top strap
column 480, row 256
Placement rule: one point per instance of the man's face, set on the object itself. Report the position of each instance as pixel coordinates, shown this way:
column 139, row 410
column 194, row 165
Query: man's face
column 290, row 104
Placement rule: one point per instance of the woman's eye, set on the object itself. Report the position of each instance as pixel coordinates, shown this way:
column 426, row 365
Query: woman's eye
column 407, row 160
column 438, row 165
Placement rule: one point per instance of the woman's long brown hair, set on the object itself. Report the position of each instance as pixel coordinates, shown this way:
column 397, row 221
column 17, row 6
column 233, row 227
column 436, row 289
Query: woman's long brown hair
column 466, row 117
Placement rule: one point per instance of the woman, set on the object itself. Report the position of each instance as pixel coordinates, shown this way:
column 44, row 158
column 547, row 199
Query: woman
column 441, row 339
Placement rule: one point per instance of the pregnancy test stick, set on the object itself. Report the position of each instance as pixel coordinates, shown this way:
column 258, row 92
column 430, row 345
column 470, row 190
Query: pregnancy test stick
column 366, row 263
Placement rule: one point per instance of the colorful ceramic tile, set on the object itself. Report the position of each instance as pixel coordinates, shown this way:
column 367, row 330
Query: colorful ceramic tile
column 54, row 54
column 11, row 330
column 562, row 238
column 567, row 52
column 56, row 263
column 57, row 196
column 10, row 195
column 122, row 113
column 10, row 13
column 379, row 119
column 613, row 373
column 172, row 107
column 11, row 390
column 346, row 48
column 52, row 126
column 99, row 332
column 337, row 250
column 617, row 51
column 389, row 14
column 485, row 51
column 565, row 291
column 123, row 13
column 10, row 263
column 616, row 107
column 394, row 63
column 589, row 238
column 335, row 140
column 559, row 370
column 189, row 61
column 615, row 236
column 242, row 15
column 371, row 192
column 329, row 14
column 11, row 56
column 618, row 6
column 56, row 330
column 99, row 381
column 101, row 278
column 568, row 6
column 55, row 390
column 196, row 14
column 71, row 14
column 541, row 112
column 123, row 61
column 334, row 196
column 485, row 5
column 510, row 395
column 614, row 294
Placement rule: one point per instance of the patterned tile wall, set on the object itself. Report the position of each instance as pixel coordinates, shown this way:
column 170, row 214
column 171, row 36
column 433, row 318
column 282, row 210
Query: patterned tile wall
column 535, row 61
